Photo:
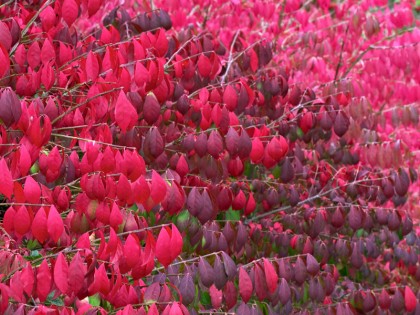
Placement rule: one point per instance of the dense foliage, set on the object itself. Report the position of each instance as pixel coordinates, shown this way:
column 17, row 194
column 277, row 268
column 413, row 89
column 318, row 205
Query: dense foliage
column 209, row 157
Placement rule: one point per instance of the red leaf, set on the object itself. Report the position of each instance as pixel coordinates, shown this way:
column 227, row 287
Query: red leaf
column 230, row 98
column 83, row 242
column 168, row 245
column 70, row 11
column 32, row 190
column 204, row 66
column 9, row 220
column 182, row 167
column 100, row 281
column 22, row 221
column 28, row 279
column 34, row 55
column 271, row 276
column 200, row 145
column 93, row 6
column 47, row 76
column 161, row 44
column 6, row 182
column 55, row 224
column 61, row 273
column 4, row 61
column 141, row 190
column 43, row 281
column 245, row 285
column 25, row 161
column 176, row 242
column 92, row 67
column 132, row 250
column 151, row 109
column 230, row 294
column 125, row 113
column 257, row 152
column 232, row 142
column 410, row 299
column 175, row 199
column 163, row 247
column 306, row 122
column 250, row 205
column 116, row 217
column 216, row 296
column 76, row 274
column 277, row 148
column 5, row 36
column 39, row 226
column 384, row 300
column 253, row 60
column 153, row 310
column 245, row 143
column 158, row 187
column 47, row 53
column 141, row 75
column 260, row 282
column 215, row 144
column 124, row 189
column 48, row 18
column 239, row 201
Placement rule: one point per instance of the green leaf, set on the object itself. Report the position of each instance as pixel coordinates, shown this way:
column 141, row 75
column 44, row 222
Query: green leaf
column 33, row 244
column 299, row 133
column 248, row 169
column 305, row 293
column 182, row 217
column 95, row 300
column 276, row 171
column 263, row 307
column 233, row 215
column 205, row 299
column 51, row 301
column 33, row 256
column 57, row 302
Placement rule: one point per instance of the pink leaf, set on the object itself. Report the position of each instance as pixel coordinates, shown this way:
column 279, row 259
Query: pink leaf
column 39, row 226
column 22, row 221
column 70, row 11
column 61, row 273
column 163, row 247
column 125, row 113
column 6, row 182
column 92, row 67
column 32, row 190
column 77, row 271
column 55, row 224
column 5, row 36
column 271, row 276
column 410, row 299
column 34, row 55
column 4, row 61
column 43, row 281
column 245, row 285
column 158, row 187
